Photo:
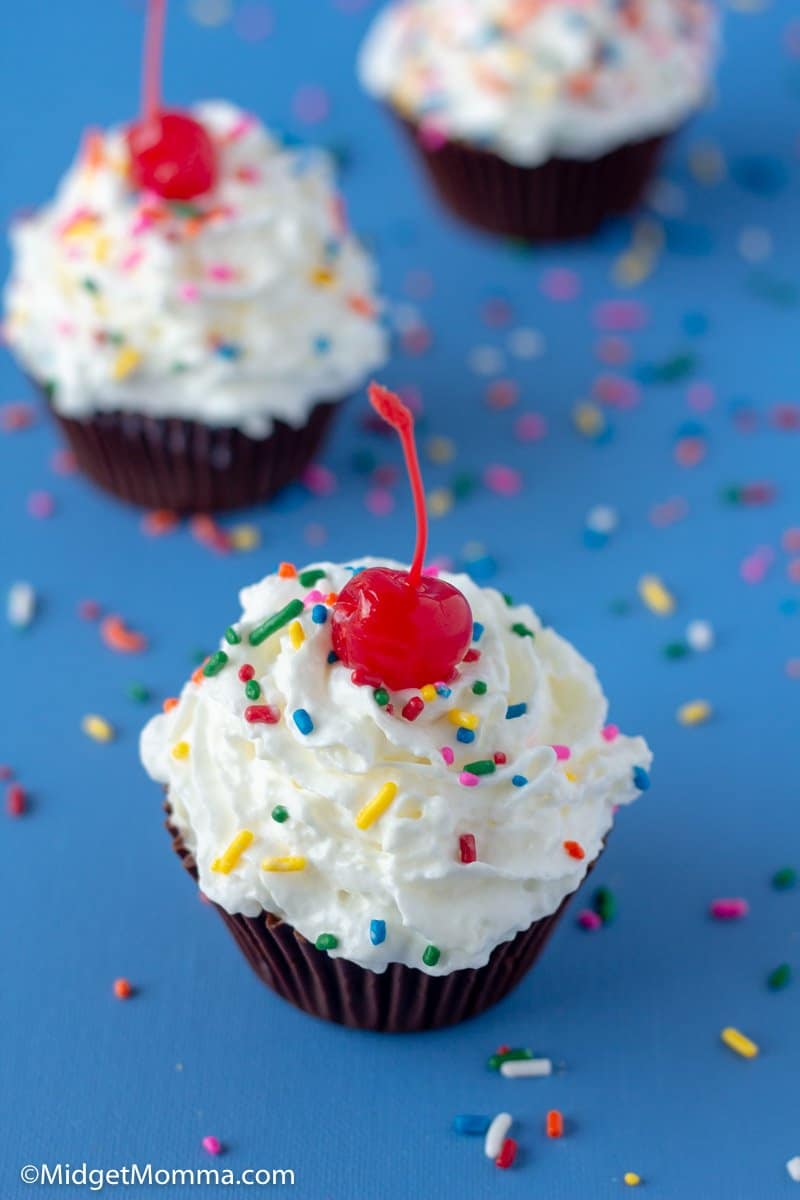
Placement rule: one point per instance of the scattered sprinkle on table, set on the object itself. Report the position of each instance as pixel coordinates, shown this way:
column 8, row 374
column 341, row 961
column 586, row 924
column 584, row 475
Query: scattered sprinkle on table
column 739, row 1042
column 98, row 728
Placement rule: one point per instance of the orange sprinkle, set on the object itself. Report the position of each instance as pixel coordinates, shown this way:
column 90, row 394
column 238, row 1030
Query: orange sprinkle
column 197, row 676
column 160, row 520
column 287, row 570
column 361, row 305
column 575, row 850
column 93, row 149
column 117, row 636
column 555, row 1124
column 122, row 989
column 170, row 703
column 331, row 597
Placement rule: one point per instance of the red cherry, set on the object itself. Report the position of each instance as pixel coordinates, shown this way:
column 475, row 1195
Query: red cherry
column 406, row 634
column 403, row 627
column 172, row 155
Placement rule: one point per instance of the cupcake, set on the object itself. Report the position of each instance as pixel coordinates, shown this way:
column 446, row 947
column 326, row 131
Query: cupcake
column 538, row 119
column 194, row 307
column 389, row 783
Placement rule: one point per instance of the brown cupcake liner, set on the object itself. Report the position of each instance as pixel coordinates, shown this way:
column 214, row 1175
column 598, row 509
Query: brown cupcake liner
column 560, row 199
column 189, row 467
column 401, row 999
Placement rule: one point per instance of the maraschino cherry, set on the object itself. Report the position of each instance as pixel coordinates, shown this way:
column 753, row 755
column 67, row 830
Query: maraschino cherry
column 401, row 628
column 171, row 153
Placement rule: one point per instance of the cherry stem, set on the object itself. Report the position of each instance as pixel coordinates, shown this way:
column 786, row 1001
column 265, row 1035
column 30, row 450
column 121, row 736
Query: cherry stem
column 153, row 57
column 389, row 406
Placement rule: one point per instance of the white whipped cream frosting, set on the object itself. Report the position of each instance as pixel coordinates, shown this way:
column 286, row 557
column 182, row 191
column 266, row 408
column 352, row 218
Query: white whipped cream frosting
column 246, row 305
column 406, row 868
column 535, row 79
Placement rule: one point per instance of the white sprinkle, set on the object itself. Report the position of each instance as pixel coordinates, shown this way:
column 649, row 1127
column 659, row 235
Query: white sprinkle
column 526, row 343
column 21, row 605
column 602, row 519
column 496, row 1134
column 755, row 244
column 486, row 360
column 667, row 199
column 700, row 636
column 527, row 1068
column 793, row 1167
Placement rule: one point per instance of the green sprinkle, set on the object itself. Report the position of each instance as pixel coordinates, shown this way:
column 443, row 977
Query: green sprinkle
column 463, row 484
column 232, row 637
column 381, row 697
column 309, row 578
column 280, row 814
column 363, row 462
column 327, row 941
column 479, row 687
column 675, row 650
column 138, row 692
column 785, row 878
column 275, row 622
column 731, row 494
column 779, row 978
column 522, row 630
column 509, row 599
column 90, row 285
column 605, row 905
column 484, row 766
column 215, row 663
column 520, row 1054
column 431, row 956
column 252, row 689
column 620, row 607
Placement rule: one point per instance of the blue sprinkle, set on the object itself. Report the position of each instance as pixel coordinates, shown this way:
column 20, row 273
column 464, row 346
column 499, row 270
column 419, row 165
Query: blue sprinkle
column 477, row 631
column 469, row 1123
column 377, row 932
column 332, row 657
column 444, row 691
column 322, row 344
column 228, row 350
column 516, row 710
column 319, row 614
column 303, row 721
column 641, row 778
column 465, row 735
column 519, row 781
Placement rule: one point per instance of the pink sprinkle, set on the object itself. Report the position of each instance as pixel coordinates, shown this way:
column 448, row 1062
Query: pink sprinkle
column 41, row 505
column 132, row 259
column 670, row 511
column 212, row 1144
column 417, row 340
column 754, row 568
column 431, row 138
column 379, row 501
column 616, row 391
column 319, row 480
column 791, row 540
column 222, row 272
column 562, row 753
column 613, row 351
column 531, row 427
column 189, row 292
column 504, row 481
column 588, row 919
column 311, row 104
column 620, row 315
column 447, row 755
column 254, row 21
column 690, row 451
column 560, row 284
column 502, row 393
column 467, row 779
column 65, row 328
column 89, row 610
column 246, row 122
column 313, row 597
column 701, row 396
column 793, row 570
column 63, row 462
column 729, row 910
column 793, row 668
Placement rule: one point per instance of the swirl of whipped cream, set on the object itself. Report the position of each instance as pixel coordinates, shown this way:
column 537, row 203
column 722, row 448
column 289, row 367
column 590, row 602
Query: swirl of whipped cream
column 535, row 79
column 514, row 753
column 249, row 304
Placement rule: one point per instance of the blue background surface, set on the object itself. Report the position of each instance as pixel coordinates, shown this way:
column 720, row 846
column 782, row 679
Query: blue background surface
column 633, row 1012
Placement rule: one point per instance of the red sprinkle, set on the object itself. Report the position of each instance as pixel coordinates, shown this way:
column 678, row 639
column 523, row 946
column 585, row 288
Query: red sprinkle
column 575, row 850
column 500, row 758
column 246, row 672
column 122, row 989
column 507, row 1155
column 89, row 610
column 413, row 708
column 472, row 655
column 361, row 678
column 467, row 846
column 555, row 1124
column 261, row 714
column 15, row 800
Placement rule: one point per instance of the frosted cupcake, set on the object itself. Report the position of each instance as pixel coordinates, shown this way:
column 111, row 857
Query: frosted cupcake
column 389, row 783
column 194, row 305
column 540, row 118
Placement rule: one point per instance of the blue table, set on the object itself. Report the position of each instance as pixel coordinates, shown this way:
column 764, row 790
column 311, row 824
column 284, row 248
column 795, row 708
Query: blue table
column 633, row 1011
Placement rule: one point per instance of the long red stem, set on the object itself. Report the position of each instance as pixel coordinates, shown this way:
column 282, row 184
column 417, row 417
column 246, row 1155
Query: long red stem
column 389, row 406
column 153, row 57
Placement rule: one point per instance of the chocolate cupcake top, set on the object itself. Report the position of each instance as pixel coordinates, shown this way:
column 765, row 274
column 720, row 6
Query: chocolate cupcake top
column 536, row 79
column 417, row 825
column 247, row 304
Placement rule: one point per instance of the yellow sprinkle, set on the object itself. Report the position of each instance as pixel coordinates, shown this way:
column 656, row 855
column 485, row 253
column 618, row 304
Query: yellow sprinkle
column 588, row 419
column 230, row 857
column 377, row 806
column 439, row 502
column 632, row 1179
column 656, row 596
column 413, row 814
column 571, row 776
column 465, row 720
column 428, row 693
column 126, row 361
column 81, row 227
column 694, row 712
column 296, row 634
column 441, row 449
column 288, row 862
column 101, row 248
column 180, row 750
column 739, row 1043
column 97, row 728
column 244, row 537
column 322, row 277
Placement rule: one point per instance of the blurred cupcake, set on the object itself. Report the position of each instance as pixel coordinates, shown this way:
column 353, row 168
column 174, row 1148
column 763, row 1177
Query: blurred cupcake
column 389, row 782
column 194, row 350
column 538, row 119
